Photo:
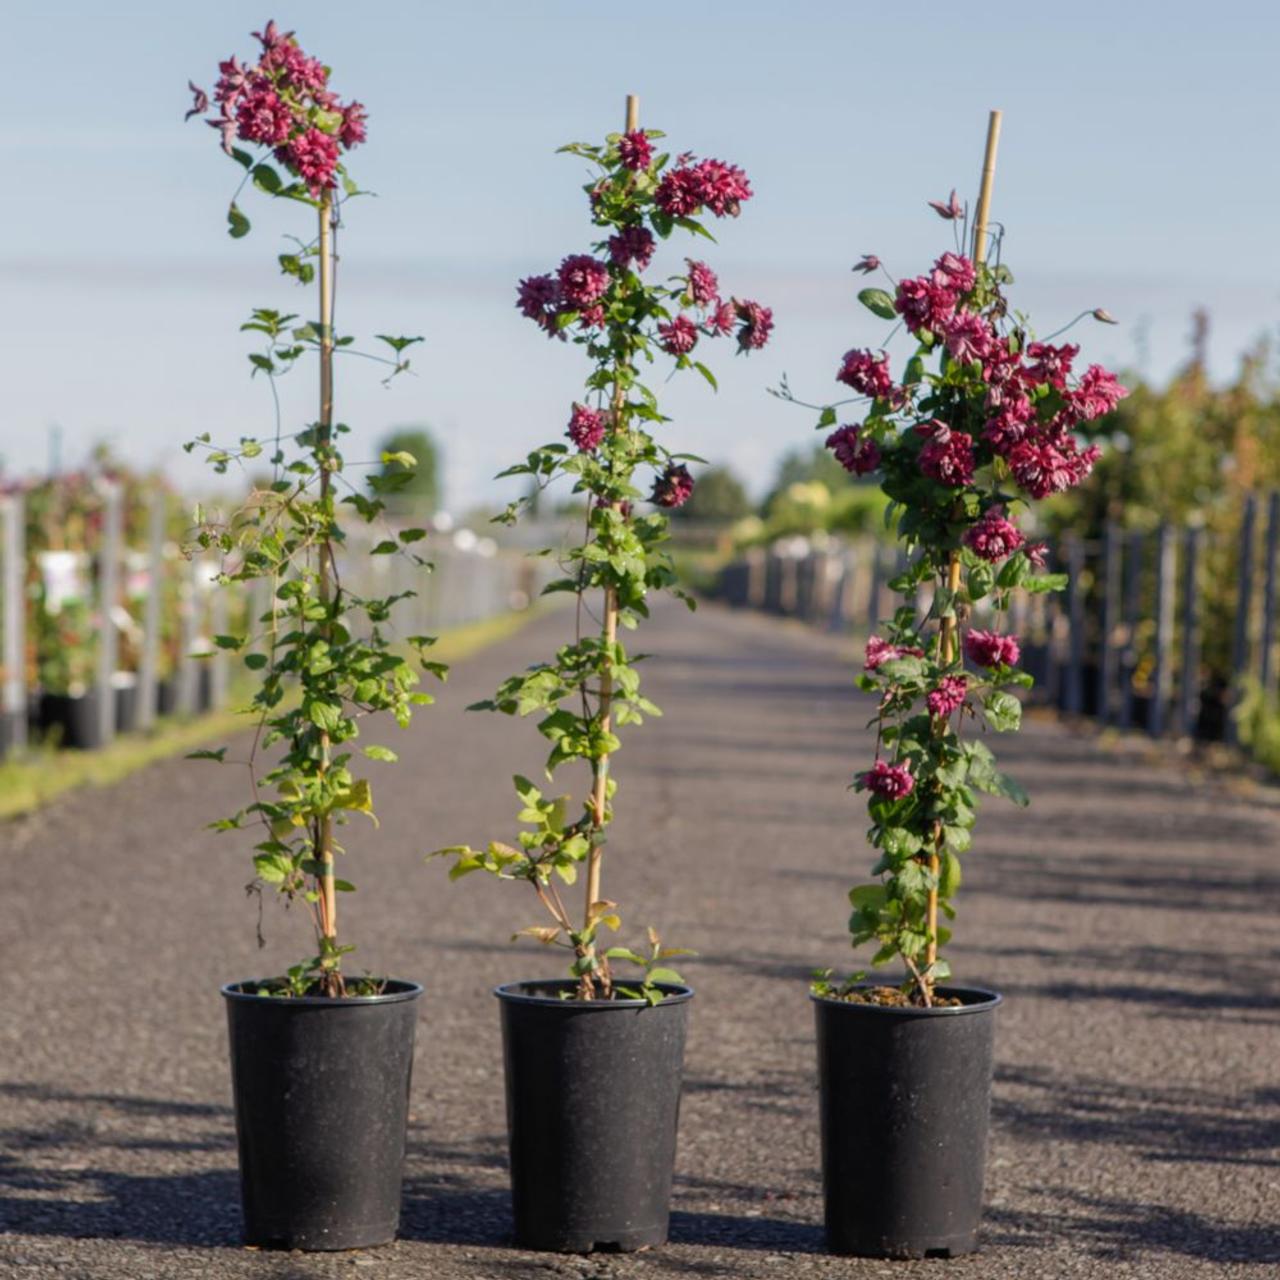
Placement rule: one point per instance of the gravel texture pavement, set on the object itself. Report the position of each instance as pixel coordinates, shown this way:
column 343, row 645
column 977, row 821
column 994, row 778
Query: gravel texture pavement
column 1129, row 917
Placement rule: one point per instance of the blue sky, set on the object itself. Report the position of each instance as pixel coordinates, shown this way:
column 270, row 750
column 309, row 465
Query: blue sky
column 1136, row 172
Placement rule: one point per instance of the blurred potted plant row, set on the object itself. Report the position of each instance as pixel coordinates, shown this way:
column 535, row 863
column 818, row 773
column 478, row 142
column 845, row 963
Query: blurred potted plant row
column 66, row 617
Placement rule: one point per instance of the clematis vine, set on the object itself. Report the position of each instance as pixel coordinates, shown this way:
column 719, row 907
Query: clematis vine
column 624, row 322
column 981, row 422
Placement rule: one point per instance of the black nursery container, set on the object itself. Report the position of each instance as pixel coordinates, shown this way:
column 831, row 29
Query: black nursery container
column 905, row 1098
column 593, row 1102
column 321, row 1091
column 166, row 696
column 75, row 719
column 127, row 701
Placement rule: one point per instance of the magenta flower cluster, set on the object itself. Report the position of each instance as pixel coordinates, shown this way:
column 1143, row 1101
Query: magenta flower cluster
column 891, row 780
column 1030, row 430
column 586, row 428
column 591, row 293
column 947, row 697
column 855, row 452
column 283, row 101
column 578, row 290
column 879, row 650
column 712, row 184
column 991, row 649
column 673, row 488
column 994, row 538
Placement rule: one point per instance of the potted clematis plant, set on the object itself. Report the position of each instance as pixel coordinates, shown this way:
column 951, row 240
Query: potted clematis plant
column 320, row 1060
column 594, row 1060
column 979, row 424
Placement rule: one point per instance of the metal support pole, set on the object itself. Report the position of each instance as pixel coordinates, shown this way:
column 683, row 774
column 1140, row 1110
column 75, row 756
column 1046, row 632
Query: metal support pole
column 13, row 530
column 149, row 664
column 108, row 599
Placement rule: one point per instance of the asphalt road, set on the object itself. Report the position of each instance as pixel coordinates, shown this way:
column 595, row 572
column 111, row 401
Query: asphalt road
column 1130, row 918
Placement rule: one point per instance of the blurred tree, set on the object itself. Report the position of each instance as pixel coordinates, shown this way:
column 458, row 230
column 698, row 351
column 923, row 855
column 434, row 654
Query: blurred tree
column 718, row 497
column 423, row 491
column 804, row 466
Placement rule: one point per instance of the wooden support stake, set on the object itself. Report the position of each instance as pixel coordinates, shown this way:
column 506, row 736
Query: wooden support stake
column 188, row 673
column 984, row 194
column 1162, row 674
column 1108, row 654
column 1132, row 608
column 1244, row 606
column 608, row 638
column 947, row 635
column 108, row 599
column 15, row 618
column 1189, row 675
column 1267, row 669
column 1073, row 688
column 328, row 903
column 149, row 664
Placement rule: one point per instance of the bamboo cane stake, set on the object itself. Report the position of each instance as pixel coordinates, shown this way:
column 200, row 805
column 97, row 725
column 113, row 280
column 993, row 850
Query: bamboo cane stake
column 984, row 192
column 324, row 850
column 609, row 637
column 947, row 633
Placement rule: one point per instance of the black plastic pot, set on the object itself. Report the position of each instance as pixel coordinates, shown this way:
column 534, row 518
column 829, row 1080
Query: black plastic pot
column 204, row 688
column 905, row 1096
column 11, row 731
column 74, row 718
column 126, row 696
column 321, row 1093
column 593, row 1102
column 166, row 697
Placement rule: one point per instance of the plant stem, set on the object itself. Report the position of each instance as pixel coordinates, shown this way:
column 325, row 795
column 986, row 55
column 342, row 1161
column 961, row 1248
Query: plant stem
column 608, row 638
column 324, row 430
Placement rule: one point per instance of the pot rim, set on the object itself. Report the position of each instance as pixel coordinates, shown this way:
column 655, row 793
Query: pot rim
column 405, row 990
column 510, row 993
column 989, row 1000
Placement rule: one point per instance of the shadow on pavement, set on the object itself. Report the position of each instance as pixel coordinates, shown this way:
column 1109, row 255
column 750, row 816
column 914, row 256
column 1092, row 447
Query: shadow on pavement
column 1161, row 1124
column 1116, row 1229
column 70, row 1177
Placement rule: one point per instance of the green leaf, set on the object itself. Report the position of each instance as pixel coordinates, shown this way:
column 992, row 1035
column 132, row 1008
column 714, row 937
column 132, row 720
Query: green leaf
column 274, row 868
column 375, row 752
column 1003, row 712
column 1046, row 582
column 949, row 874
column 237, row 223
column 1013, row 572
column 899, row 842
column 265, row 178
column 706, row 373
column 867, row 897
column 324, row 715
column 664, row 975
column 358, row 798
column 878, row 303
column 980, row 581
column 1003, row 785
